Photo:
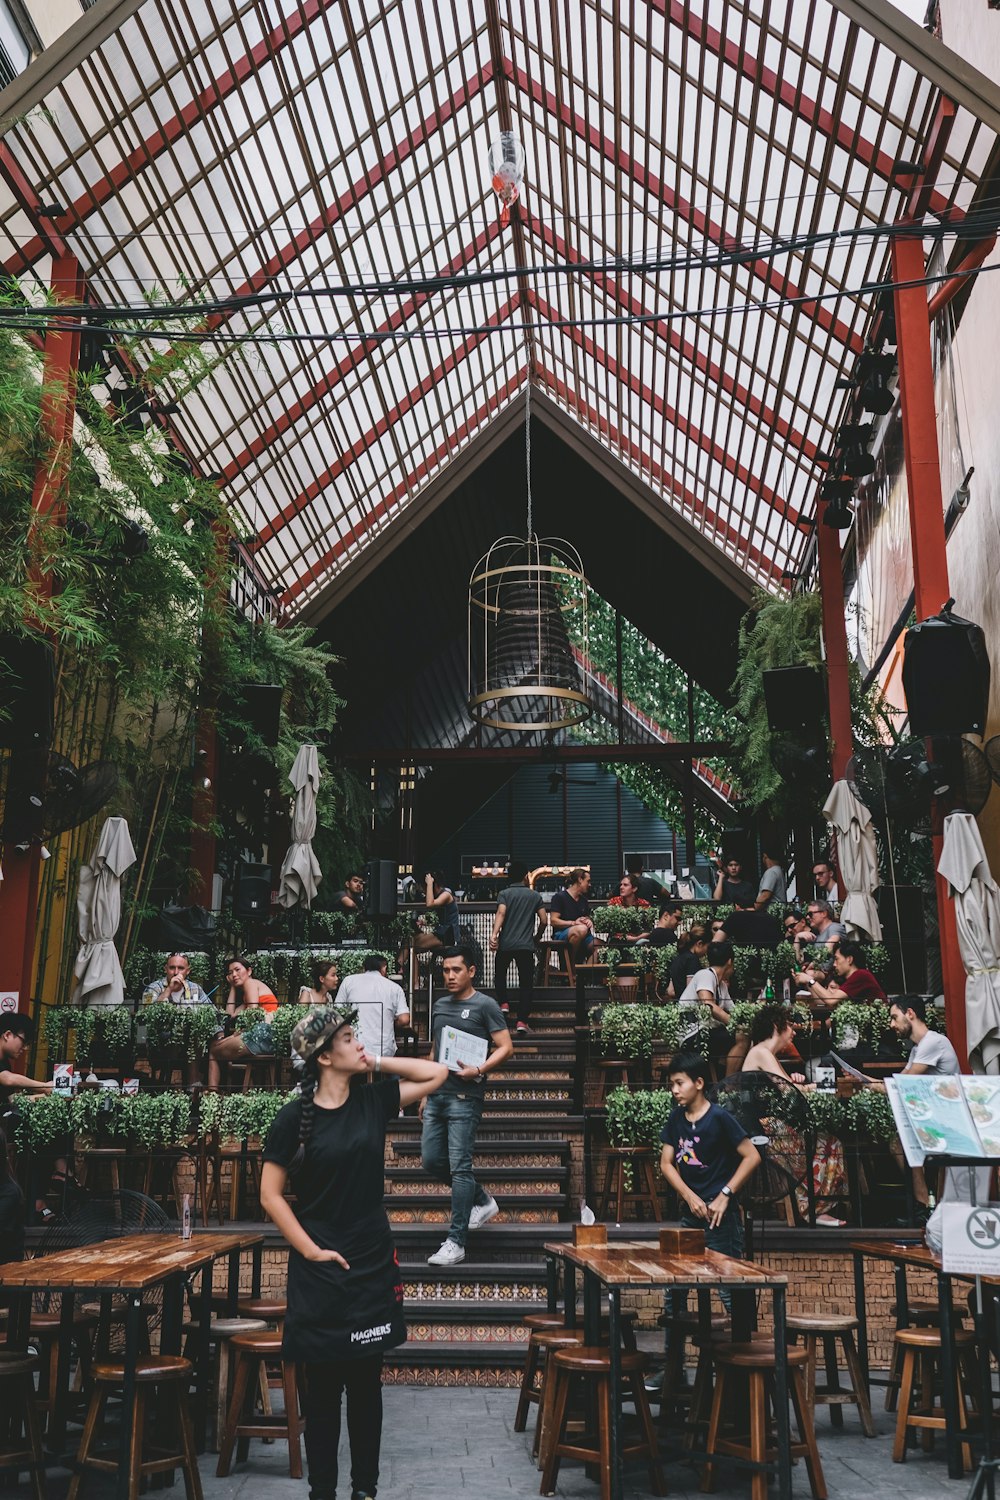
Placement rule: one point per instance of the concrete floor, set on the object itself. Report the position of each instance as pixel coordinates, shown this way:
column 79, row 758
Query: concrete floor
column 439, row 1442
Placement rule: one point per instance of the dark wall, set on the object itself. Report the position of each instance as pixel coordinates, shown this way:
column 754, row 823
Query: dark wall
column 524, row 819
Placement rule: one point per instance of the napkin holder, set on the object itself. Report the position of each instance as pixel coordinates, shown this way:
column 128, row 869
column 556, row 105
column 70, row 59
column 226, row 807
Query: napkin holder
column 590, row 1235
column 682, row 1241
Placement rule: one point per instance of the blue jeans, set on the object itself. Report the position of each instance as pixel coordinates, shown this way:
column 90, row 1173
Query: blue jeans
column 727, row 1238
column 449, row 1139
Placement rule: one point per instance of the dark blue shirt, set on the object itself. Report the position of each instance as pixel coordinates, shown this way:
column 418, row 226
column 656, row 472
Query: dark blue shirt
column 705, row 1152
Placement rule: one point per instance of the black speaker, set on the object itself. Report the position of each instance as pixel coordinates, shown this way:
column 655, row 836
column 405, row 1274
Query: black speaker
column 946, row 676
column 263, row 709
column 795, row 698
column 380, row 888
column 253, row 891
column 27, row 691
column 901, row 910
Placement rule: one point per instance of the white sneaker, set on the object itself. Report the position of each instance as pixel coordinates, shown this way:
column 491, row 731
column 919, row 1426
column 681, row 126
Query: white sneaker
column 482, row 1213
column 451, row 1253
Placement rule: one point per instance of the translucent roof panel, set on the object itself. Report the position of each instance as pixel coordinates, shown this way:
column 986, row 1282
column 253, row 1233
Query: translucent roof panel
column 300, row 194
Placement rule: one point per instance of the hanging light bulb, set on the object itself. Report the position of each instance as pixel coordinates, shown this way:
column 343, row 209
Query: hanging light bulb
column 506, row 166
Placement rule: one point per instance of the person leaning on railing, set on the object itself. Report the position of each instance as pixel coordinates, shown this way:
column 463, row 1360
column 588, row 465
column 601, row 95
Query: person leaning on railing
column 245, row 993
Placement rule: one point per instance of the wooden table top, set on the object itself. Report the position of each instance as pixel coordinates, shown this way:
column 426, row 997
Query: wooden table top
column 912, row 1253
column 133, row 1262
column 641, row 1263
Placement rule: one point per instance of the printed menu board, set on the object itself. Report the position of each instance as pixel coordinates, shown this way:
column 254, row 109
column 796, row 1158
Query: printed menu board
column 947, row 1114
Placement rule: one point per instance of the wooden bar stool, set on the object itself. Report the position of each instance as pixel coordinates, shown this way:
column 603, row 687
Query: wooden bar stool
column 643, row 1192
column 220, row 1332
column 540, row 1345
column 43, row 1331
column 921, row 1349
column 614, row 1071
column 242, row 1421
column 921, row 1312
column 565, row 968
column 820, row 1328
column 272, row 1310
column 167, row 1372
column 752, row 1367
column 682, row 1327
column 17, row 1400
column 593, row 1367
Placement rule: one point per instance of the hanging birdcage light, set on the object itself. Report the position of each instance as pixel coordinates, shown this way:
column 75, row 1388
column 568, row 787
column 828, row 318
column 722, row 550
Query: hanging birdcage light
column 506, row 166
column 524, row 673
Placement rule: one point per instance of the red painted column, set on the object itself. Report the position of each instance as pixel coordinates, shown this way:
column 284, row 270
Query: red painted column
column 927, row 542
column 19, row 888
column 838, row 682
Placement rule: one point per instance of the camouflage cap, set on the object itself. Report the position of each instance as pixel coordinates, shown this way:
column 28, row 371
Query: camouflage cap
column 318, row 1026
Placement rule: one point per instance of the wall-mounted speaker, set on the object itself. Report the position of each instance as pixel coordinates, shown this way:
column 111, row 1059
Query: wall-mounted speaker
column 795, row 699
column 946, row 676
column 252, row 897
column 380, row 888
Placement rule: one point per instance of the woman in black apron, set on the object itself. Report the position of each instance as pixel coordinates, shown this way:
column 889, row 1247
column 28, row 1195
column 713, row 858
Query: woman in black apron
column 345, row 1295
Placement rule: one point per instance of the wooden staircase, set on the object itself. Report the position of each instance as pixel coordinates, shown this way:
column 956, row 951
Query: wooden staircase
column 466, row 1322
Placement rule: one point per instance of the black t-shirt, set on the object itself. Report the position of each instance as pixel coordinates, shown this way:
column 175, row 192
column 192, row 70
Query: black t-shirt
column 662, row 937
column 732, row 888
column 342, row 1177
column 705, row 1151
column 752, row 929
column 357, row 910
column 681, row 969
column 649, row 889
column 564, row 905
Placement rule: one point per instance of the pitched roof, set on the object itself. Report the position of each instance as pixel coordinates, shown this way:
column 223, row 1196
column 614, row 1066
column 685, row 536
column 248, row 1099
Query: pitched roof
column 690, row 268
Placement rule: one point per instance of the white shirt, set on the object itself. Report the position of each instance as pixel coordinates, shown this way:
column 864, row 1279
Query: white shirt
column 935, row 1053
column 379, row 1001
column 705, row 979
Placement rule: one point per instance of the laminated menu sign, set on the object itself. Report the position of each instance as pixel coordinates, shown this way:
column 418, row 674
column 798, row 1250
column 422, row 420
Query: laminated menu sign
column 950, row 1115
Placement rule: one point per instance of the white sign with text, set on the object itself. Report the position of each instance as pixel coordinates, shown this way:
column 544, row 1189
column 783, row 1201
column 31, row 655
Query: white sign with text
column 971, row 1238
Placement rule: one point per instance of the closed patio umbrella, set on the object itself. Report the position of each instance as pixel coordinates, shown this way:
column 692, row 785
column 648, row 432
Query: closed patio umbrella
column 300, row 873
column 964, row 865
column 99, row 980
column 857, row 857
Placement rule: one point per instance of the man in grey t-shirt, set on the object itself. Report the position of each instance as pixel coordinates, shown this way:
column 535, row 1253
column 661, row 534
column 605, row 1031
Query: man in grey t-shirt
column 451, row 1116
column 772, row 882
column 513, row 940
column 931, row 1053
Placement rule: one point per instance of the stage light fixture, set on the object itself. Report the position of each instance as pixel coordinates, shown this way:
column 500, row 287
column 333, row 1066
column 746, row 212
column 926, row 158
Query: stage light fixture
column 852, row 446
column 874, row 373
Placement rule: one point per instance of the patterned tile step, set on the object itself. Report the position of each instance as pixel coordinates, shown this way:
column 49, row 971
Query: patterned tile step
column 487, row 1377
column 487, row 1161
column 414, row 1184
column 424, row 1215
column 425, row 1288
column 482, row 1332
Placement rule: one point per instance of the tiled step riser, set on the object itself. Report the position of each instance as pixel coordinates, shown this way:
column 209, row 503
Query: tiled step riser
column 494, row 1373
column 426, row 1284
column 418, row 1185
column 469, row 1331
column 398, row 1214
column 485, row 1161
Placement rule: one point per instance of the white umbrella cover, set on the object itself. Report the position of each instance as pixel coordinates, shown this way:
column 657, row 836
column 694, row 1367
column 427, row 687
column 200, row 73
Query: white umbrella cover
column 964, row 865
column 300, row 873
column 857, row 857
column 99, row 980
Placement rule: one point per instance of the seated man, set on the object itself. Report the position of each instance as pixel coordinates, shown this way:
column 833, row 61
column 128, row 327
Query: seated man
column 569, row 912
column 825, row 877
column 749, row 926
column 381, row 1005
column 823, row 925
column 664, row 931
column 849, row 981
column 351, row 900
column 177, row 987
column 772, row 881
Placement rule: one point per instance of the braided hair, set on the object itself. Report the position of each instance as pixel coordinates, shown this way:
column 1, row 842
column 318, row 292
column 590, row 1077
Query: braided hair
column 307, row 1119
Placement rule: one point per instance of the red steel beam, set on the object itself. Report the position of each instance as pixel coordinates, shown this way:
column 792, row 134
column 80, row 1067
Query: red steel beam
column 763, row 270
column 389, row 502
column 22, row 871
column 728, row 50
column 675, row 418
column 929, row 547
column 950, row 289
column 671, row 335
column 694, row 503
column 107, row 187
column 922, row 194
column 332, row 378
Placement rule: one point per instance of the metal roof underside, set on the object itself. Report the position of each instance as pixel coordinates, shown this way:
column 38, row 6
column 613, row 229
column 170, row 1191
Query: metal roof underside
column 206, row 150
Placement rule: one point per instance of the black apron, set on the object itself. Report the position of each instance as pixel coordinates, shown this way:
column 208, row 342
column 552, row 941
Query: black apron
column 335, row 1314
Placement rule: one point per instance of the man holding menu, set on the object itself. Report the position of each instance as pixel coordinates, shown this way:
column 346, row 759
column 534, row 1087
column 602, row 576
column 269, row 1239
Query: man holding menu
column 470, row 1035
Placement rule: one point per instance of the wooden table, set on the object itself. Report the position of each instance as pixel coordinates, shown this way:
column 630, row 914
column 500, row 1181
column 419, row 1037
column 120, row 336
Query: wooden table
column 914, row 1254
column 133, row 1264
column 640, row 1263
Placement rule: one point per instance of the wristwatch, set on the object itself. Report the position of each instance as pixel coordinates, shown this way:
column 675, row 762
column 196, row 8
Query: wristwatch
column 727, row 1192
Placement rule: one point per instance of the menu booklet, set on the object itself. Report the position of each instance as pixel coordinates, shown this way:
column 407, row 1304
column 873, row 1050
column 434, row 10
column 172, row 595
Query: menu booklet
column 946, row 1115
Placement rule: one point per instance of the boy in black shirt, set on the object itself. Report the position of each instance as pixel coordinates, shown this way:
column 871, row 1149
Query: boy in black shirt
column 707, row 1156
